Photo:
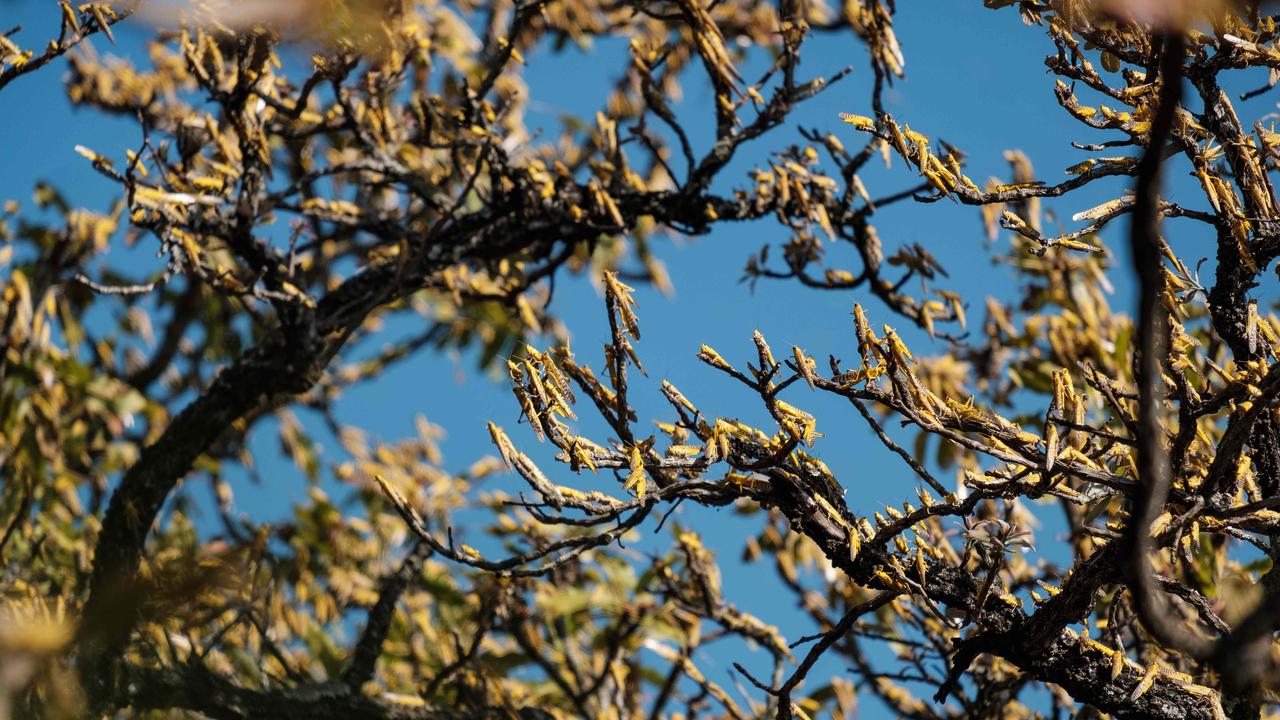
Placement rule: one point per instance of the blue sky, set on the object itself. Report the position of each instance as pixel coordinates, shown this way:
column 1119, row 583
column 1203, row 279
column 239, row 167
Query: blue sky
column 984, row 97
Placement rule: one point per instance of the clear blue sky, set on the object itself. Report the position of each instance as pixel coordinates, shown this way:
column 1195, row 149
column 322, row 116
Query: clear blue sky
column 984, row 97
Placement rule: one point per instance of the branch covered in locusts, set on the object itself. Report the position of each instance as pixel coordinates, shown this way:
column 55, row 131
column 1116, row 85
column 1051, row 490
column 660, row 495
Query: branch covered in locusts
column 295, row 209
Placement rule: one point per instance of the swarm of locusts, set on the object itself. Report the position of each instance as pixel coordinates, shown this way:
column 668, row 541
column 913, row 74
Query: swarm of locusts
column 325, row 190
